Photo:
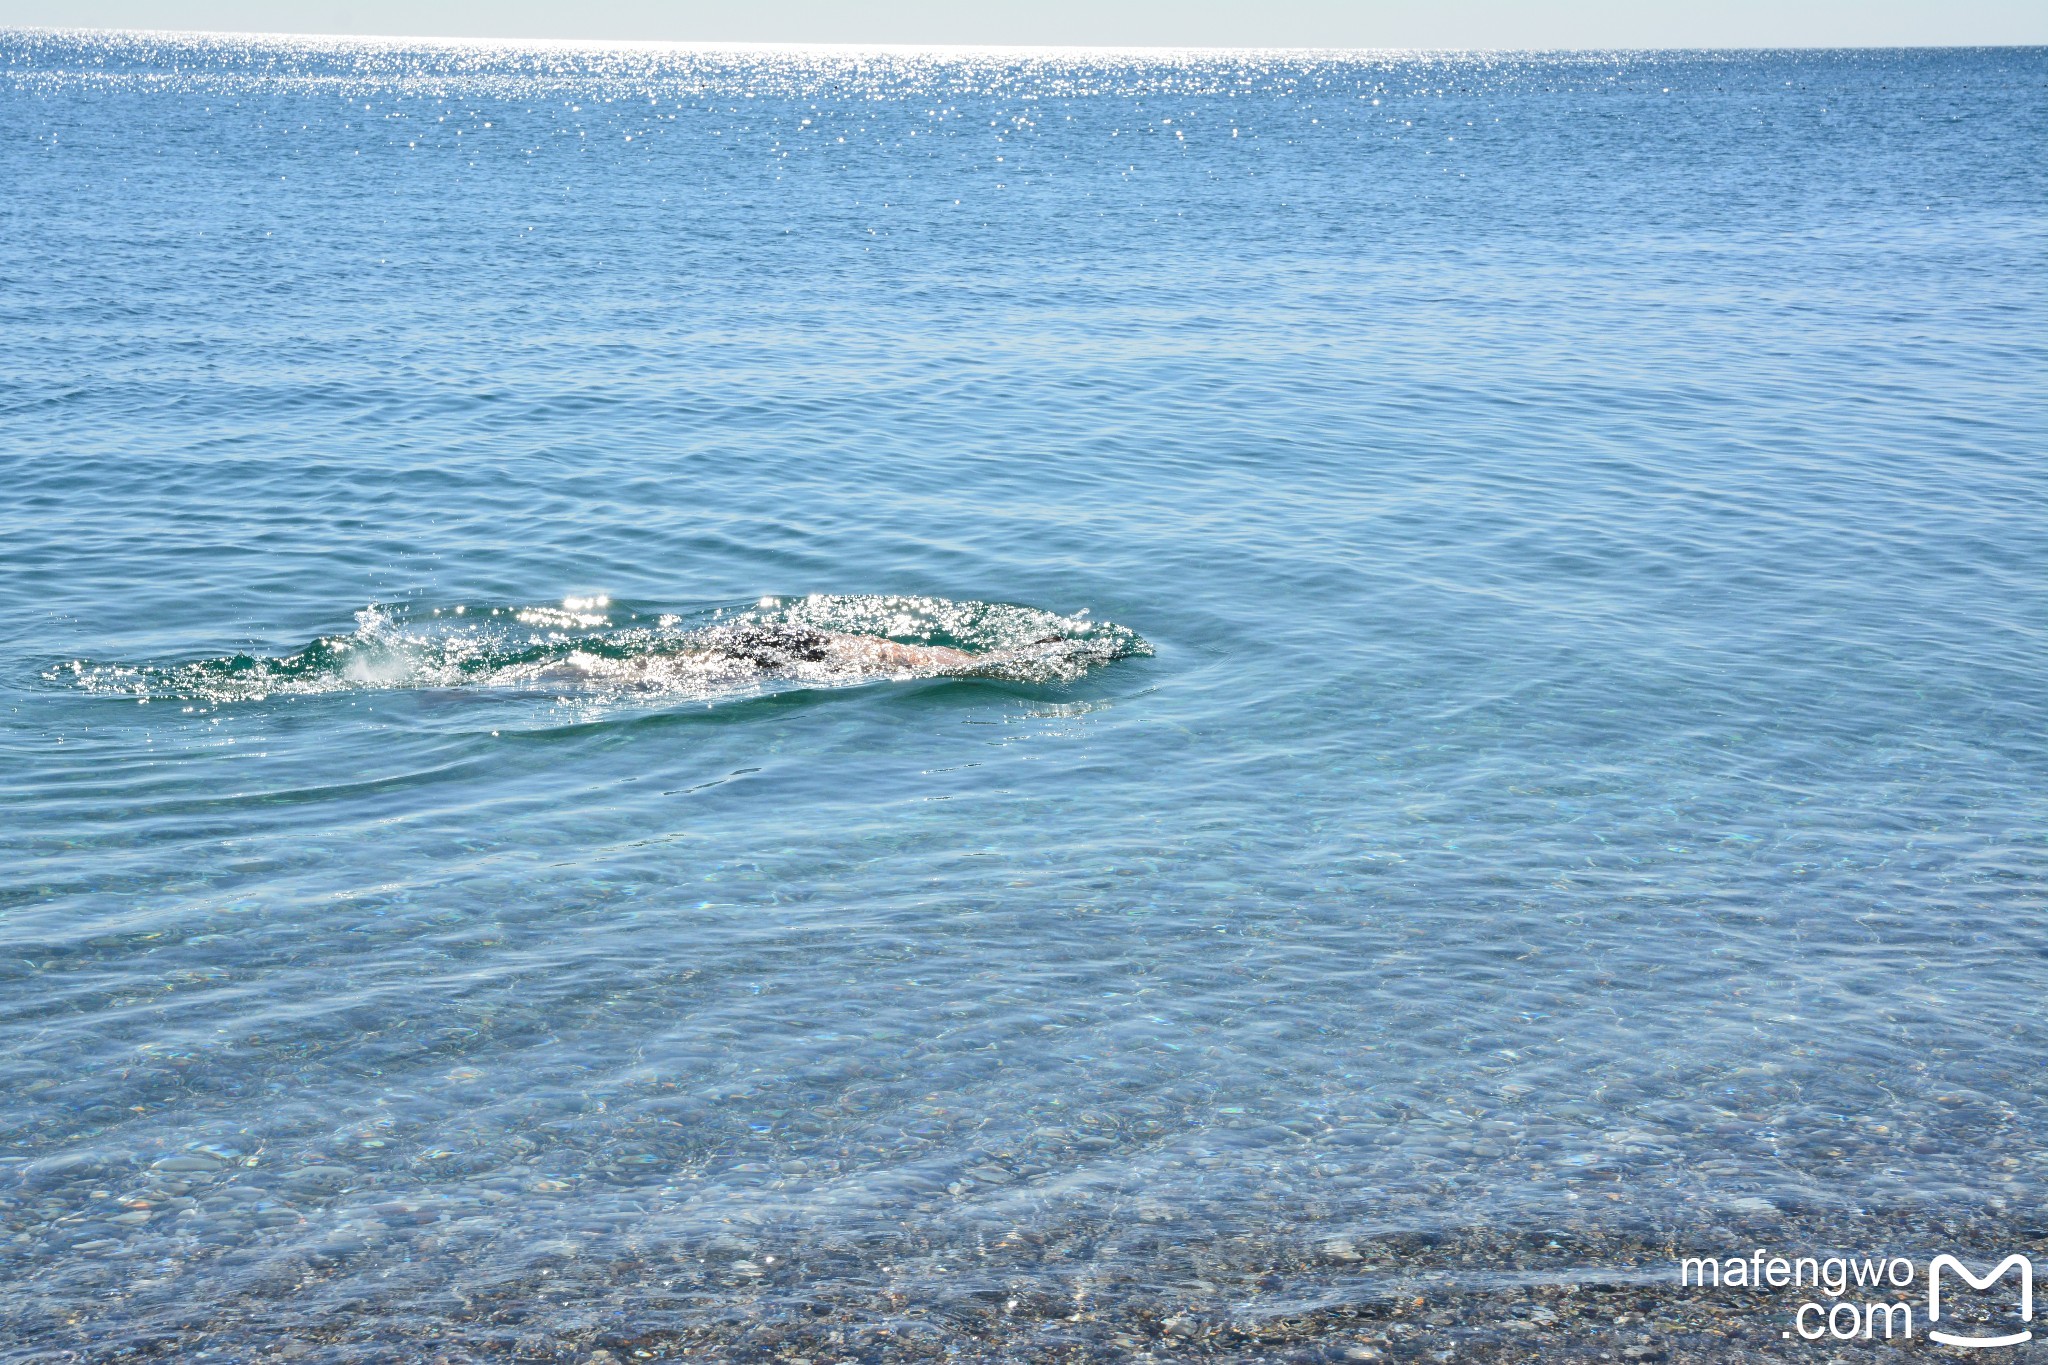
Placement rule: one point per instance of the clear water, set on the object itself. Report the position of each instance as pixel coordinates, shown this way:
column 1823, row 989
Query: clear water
column 1587, row 790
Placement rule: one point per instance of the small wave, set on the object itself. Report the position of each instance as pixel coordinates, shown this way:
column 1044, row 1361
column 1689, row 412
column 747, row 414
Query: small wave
column 589, row 647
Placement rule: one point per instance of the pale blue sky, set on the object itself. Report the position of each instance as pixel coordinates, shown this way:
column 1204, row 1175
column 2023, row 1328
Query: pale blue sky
column 1320, row 23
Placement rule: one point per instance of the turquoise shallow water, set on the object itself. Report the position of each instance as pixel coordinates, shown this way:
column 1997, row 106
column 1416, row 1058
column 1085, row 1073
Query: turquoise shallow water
column 1586, row 515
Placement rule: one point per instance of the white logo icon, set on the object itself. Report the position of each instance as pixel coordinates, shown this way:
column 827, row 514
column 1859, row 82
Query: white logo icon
column 2026, row 1270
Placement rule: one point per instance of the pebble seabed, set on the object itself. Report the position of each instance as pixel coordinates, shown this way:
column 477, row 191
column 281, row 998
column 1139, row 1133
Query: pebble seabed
column 412, row 1294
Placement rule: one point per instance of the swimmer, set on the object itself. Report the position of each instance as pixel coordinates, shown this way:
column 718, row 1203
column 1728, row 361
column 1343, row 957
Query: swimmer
column 783, row 647
column 774, row 646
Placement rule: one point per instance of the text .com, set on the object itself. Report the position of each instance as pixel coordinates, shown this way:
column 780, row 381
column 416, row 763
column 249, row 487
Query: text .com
column 1884, row 1298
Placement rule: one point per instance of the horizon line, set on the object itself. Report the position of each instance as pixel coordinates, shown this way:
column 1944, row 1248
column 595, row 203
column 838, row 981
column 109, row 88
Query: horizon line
column 799, row 45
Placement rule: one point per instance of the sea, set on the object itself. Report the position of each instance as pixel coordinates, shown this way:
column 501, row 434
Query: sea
column 1550, row 773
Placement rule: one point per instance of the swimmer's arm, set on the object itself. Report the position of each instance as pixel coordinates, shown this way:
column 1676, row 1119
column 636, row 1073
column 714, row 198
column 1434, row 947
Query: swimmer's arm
column 881, row 653
column 996, row 663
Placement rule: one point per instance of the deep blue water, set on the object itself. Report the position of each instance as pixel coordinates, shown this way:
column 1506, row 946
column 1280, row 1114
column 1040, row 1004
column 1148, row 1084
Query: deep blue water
column 1588, row 786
